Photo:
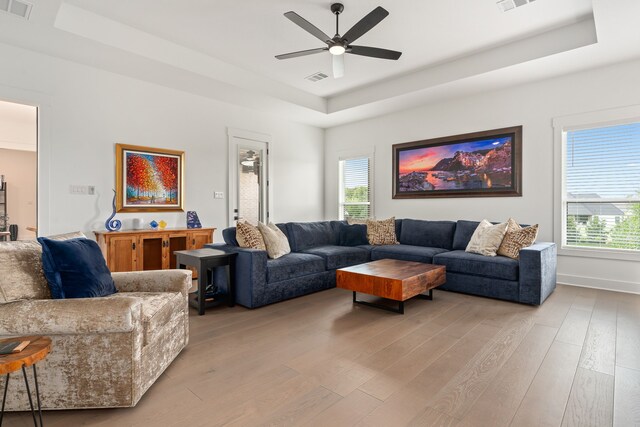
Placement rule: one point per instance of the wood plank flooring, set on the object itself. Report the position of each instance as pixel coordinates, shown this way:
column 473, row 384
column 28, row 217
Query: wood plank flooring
column 458, row 361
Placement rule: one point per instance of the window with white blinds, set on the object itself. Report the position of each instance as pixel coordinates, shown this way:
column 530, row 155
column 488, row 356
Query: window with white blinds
column 601, row 197
column 355, row 188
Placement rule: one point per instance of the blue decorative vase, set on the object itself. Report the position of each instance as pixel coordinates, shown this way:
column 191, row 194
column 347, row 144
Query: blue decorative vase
column 113, row 224
column 154, row 224
column 192, row 220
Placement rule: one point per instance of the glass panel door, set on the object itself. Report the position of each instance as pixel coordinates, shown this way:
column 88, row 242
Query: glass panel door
column 248, row 181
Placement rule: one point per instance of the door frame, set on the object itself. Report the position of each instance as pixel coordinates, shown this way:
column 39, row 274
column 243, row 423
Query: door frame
column 43, row 103
column 235, row 138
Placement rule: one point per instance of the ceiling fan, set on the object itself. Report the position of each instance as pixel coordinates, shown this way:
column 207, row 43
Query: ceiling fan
column 339, row 45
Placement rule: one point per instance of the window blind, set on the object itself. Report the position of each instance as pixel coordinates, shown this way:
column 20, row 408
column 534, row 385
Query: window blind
column 602, row 183
column 355, row 188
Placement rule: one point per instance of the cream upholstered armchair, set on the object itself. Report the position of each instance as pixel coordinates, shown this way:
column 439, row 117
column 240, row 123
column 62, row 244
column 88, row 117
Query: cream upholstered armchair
column 106, row 351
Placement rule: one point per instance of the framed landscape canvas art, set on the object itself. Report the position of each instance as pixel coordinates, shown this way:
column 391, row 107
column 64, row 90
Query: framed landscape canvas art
column 479, row 164
column 149, row 179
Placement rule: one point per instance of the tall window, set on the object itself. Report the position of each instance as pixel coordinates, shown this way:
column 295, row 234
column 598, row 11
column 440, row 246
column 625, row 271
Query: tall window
column 601, row 188
column 355, row 188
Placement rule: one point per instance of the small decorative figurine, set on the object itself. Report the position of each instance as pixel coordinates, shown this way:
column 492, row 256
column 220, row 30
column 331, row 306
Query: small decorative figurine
column 192, row 220
column 162, row 224
column 113, row 224
column 154, row 224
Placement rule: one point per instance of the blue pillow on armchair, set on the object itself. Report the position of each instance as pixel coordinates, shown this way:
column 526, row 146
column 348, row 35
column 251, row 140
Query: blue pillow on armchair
column 75, row 269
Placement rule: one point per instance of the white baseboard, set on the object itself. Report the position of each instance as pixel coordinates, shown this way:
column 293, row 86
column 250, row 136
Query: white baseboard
column 592, row 282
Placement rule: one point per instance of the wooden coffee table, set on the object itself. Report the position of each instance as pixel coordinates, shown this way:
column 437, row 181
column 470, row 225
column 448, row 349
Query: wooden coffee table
column 391, row 279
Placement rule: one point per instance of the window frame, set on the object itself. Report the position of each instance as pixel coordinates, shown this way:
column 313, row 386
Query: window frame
column 562, row 125
column 353, row 155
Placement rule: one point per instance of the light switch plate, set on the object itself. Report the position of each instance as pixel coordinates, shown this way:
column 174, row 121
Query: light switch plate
column 218, row 195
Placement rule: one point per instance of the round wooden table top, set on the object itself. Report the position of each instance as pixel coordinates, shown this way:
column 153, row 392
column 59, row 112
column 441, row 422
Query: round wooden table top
column 37, row 350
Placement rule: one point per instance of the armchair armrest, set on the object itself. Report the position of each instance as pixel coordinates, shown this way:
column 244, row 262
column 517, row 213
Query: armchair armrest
column 154, row 281
column 538, row 266
column 250, row 274
column 69, row 316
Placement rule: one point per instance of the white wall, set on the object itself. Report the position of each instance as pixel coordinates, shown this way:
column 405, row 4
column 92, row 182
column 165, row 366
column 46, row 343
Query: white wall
column 85, row 111
column 19, row 170
column 533, row 106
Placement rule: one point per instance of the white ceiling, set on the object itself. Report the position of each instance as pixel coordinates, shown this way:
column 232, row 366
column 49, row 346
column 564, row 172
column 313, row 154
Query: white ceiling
column 250, row 33
column 225, row 50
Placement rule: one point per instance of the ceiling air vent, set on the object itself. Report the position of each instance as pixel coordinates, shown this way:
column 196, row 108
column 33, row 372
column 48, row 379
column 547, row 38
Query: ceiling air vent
column 315, row 77
column 506, row 5
column 17, row 8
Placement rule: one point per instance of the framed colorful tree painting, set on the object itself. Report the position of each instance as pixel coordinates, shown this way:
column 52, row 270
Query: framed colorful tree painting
column 149, row 179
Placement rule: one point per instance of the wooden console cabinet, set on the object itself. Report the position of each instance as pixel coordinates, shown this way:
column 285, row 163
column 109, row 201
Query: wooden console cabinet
column 137, row 250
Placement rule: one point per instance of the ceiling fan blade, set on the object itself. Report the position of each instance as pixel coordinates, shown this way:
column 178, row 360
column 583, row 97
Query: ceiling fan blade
column 338, row 66
column 308, row 26
column 365, row 24
column 301, row 53
column 374, row 52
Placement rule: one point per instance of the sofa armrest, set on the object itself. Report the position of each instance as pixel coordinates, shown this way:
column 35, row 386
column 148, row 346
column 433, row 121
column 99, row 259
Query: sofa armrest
column 154, row 281
column 250, row 274
column 538, row 266
column 70, row 316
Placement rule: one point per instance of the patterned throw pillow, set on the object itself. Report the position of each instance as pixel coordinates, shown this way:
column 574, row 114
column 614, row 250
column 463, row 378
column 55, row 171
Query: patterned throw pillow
column 487, row 238
column 382, row 232
column 275, row 240
column 248, row 236
column 517, row 238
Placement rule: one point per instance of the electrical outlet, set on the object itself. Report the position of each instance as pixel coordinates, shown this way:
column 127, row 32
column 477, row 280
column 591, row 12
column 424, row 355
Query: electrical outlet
column 218, row 195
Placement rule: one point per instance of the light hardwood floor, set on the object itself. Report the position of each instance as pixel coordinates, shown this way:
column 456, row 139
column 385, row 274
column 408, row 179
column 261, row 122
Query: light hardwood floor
column 456, row 361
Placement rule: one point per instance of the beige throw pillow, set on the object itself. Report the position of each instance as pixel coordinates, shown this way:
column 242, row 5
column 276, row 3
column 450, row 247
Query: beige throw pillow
column 517, row 238
column 487, row 238
column 248, row 236
column 275, row 240
column 382, row 232
column 352, row 221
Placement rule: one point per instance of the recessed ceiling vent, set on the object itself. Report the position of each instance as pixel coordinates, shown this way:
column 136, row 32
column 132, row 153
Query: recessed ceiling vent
column 315, row 77
column 17, row 8
column 506, row 5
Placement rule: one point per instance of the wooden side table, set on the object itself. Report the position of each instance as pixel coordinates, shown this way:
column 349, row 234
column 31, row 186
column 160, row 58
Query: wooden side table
column 205, row 260
column 37, row 350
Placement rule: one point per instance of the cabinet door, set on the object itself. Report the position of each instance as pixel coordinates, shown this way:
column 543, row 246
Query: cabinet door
column 122, row 253
column 153, row 251
column 197, row 239
column 177, row 241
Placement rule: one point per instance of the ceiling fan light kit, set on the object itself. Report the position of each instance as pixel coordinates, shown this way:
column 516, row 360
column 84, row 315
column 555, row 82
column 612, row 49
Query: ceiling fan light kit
column 339, row 45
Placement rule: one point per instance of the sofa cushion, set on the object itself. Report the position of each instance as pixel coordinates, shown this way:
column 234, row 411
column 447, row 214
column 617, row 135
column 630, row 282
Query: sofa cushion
column 352, row 235
column 75, row 268
column 498, row 267
column 21, row 275
column 405, row 253
column 433, row 234
column 158, row 308
column 462, row 236
column 293, row 265
column 340, row 256
column 305, row 235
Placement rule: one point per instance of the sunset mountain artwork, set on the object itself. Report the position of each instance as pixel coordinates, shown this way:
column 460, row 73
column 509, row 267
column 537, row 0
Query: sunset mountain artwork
column 456, row 166
column 150, row 179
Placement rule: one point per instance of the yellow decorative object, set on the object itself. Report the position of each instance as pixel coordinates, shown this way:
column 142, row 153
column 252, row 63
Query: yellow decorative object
column 162, row 224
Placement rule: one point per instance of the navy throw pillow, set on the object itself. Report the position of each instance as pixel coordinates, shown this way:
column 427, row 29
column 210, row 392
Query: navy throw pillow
column 353, row 235
column 75, row 268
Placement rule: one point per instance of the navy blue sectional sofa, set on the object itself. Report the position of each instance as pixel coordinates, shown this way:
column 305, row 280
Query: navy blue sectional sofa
column 316, row 254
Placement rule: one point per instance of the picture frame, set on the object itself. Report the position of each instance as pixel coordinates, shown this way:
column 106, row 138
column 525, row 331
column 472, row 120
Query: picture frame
column 478, row 164
column 149, row 179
